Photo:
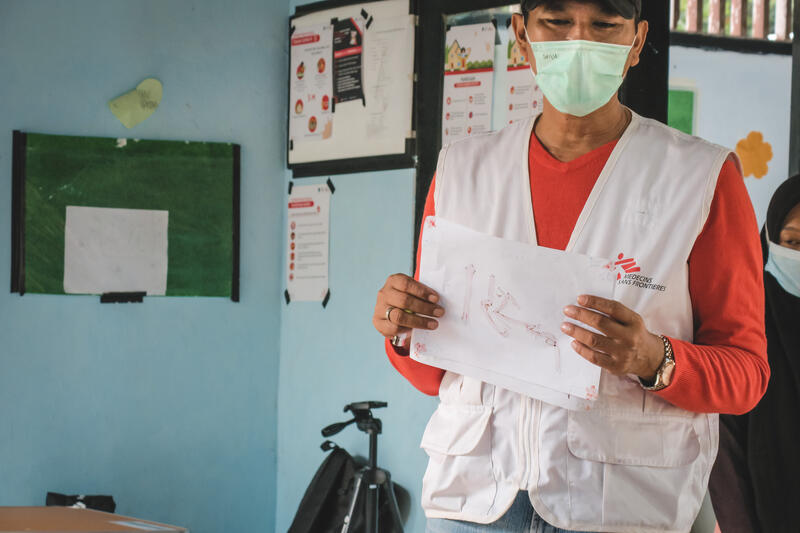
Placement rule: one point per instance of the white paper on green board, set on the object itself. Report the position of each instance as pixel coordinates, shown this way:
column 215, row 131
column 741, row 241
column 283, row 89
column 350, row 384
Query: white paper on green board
column 115, row 250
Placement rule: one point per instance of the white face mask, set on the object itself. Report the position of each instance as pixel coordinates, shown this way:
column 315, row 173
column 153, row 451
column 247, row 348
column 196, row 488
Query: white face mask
column 784, row 264
column 578, row 77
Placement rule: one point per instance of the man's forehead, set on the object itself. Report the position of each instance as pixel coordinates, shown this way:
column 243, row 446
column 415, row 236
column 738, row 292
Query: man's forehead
column 624, row 8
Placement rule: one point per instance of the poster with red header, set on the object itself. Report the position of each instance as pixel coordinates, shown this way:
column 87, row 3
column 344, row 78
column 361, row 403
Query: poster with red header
column 468, row 81
column 308, row 234
column 311, row 87
column 524, row 97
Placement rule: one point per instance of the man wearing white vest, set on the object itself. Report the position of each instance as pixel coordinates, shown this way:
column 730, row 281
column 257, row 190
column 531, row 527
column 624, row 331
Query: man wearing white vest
column 683, row 340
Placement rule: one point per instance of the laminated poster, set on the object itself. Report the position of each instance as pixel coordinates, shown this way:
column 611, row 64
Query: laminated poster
column 468, row 80
column 307, row 242
column 311, row 87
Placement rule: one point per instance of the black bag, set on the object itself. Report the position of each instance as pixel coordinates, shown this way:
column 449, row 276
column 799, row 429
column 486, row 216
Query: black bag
column 96, row 502
column 327, row 498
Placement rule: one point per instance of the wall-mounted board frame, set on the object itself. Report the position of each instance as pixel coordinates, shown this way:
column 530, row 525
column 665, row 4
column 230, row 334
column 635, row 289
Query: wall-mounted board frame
column 122, row 217
column 351, row 87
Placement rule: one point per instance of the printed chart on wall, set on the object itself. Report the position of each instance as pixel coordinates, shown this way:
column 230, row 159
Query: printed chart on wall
column 524, row 96
column 311, row 87
column 351, row 83
column 468, row 81
column 308, row 227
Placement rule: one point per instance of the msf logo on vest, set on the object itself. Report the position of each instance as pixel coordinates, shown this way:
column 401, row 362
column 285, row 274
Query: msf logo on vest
column 628, row 274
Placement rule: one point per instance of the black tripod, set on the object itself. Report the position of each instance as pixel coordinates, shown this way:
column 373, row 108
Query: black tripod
column 370, row 479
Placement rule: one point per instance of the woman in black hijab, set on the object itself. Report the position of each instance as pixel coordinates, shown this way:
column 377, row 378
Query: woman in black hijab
column 755, row 483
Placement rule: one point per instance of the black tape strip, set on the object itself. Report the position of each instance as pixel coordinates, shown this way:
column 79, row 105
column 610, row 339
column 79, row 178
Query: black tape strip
column 494, row 23
column 19, row 148
column 334, row 20
column 291, row 144
column 291, row 186
column 122, row 297
column 369, row 22
column 325, row 300
column 237, row 171
column 333, row 105
column 364, row 14
column 330, row 186
column 286, row 296
column 447, row 28
column 291, row 30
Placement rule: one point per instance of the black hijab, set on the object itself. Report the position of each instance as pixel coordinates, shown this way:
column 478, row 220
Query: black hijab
column 773, row 428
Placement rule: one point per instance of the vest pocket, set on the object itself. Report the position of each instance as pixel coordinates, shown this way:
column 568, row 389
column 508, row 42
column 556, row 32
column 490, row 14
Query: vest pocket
column 456, row 429
column 652, row 441
column 460, row 477
column 644, row 472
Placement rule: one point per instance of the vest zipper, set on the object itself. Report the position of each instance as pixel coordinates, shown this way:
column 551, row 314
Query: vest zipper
column 526, row 446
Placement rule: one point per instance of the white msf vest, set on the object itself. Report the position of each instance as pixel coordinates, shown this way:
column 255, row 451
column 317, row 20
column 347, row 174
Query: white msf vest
column 634, row 463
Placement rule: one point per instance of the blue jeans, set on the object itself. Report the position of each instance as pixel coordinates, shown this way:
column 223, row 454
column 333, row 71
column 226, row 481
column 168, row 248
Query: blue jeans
column 520, row 518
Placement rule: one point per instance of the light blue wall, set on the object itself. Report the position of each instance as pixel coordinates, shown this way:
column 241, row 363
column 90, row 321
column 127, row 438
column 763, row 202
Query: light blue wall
column 332, row 357
column 169, row 405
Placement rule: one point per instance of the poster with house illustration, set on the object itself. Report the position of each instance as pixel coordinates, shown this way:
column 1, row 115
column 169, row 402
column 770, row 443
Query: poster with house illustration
column 524, row 99
column 468, row 81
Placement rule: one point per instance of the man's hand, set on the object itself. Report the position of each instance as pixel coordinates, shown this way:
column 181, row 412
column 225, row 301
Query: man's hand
column 625, row 346
column 409, row 303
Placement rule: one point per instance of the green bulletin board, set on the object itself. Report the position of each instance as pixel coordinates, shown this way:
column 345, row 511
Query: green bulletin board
column 680, row 110
column 196, row 183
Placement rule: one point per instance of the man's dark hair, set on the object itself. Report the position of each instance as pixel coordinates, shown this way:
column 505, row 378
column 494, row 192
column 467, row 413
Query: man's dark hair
column 529, row 5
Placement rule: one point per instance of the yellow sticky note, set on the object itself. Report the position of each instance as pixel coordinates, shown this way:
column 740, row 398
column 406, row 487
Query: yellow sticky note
column 135, row 106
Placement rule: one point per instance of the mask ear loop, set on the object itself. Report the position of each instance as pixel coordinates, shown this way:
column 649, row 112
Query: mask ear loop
column 527, row 37
column 530, row 45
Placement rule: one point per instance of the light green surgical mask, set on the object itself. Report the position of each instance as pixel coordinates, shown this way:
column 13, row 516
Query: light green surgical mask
column 784, row 264
column 578, row 77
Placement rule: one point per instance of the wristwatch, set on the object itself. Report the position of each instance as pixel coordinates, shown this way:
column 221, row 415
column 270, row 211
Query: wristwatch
column 664, row 372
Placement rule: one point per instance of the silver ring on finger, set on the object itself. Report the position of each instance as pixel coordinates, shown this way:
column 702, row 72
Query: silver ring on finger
column 389, row 312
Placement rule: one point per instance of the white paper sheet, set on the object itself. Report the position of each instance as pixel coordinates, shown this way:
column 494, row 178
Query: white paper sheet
column 307, row 241
column 115, row 250
column 384, row 85
column 504, row 302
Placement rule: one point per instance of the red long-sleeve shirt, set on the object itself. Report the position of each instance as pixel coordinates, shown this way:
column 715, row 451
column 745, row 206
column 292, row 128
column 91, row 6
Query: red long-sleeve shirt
column 725, row 370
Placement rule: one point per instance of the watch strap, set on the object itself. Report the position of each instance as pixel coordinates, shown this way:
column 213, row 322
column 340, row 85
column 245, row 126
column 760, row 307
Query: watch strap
column 669, row 360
